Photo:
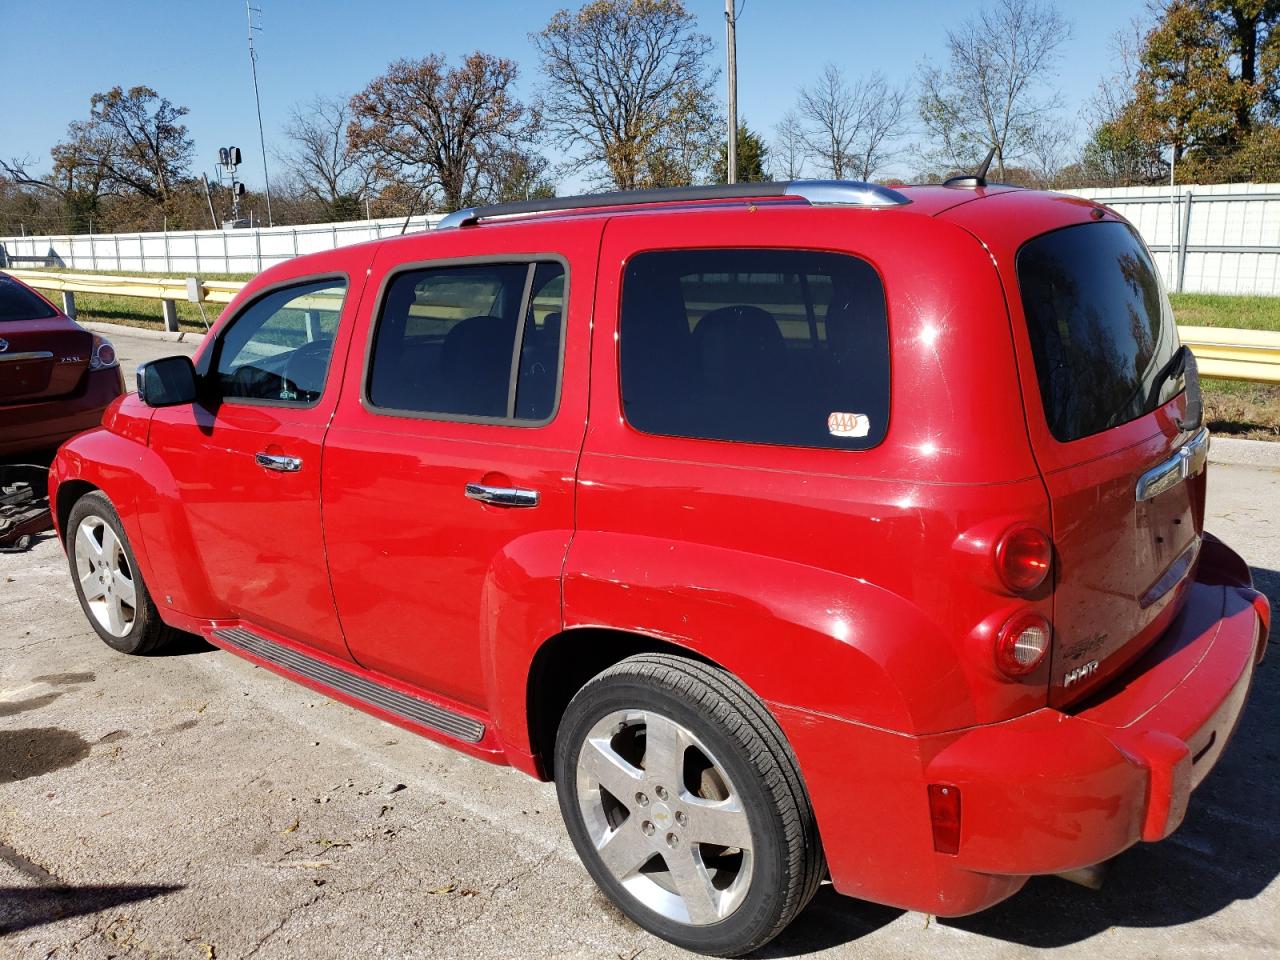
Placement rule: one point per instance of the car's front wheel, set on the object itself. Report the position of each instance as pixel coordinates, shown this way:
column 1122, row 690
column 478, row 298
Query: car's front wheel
column 107, row 579
column 685, row 803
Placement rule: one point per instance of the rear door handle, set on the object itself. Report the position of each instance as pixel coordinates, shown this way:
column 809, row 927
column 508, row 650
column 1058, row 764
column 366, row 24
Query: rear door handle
column 502, row 496
column 270, row 461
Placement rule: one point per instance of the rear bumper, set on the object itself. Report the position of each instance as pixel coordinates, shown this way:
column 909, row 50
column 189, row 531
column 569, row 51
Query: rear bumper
column 1053, row 790
column 46, row 424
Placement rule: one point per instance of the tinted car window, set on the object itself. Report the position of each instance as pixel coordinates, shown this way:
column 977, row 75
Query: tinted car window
column 1100, row 325
column 19, row 303
column 447, row 336
column 278, row 347
column 763, row 346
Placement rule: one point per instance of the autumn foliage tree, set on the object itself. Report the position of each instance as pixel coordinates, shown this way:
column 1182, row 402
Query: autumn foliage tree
column 629, row 91
column 443, row 131
column 134, row 148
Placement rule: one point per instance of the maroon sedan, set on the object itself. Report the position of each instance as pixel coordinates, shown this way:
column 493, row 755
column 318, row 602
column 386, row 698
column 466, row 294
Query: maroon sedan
column 56, row 378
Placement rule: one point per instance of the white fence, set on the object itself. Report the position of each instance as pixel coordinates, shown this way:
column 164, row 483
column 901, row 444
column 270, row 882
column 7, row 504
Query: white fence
column 200, row 251
column 1216, row 239
column 1223, row 238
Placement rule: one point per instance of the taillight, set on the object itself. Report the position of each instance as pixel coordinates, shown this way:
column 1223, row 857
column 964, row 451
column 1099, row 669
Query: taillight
column 1022, row 644
column 944, row 816
column 1024, row 555
column 103, row 355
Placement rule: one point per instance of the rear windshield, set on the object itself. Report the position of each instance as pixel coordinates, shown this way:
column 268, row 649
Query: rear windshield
column 1100, row 324
column 759, row 346
column 19, row 303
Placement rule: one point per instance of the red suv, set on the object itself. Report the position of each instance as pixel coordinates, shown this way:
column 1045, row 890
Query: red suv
column 56, row 378
column 795, row 530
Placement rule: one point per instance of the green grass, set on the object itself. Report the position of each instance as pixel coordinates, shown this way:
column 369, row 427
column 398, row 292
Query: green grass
column 1235, row 407
column 135, row 312
column 1220, row 310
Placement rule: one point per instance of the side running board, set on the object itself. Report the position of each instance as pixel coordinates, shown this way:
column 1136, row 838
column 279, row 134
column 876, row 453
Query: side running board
column 352, row 685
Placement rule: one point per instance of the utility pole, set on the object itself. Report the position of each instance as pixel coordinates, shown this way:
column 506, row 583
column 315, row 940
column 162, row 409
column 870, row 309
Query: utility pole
column 262, row 141
column 731, row 42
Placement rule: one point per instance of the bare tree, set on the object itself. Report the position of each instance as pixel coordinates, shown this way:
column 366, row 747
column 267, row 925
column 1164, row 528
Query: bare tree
column 629, row 87
column 324, row 168
column 987, row 95
column 788, row 150
column 849, row 128
column 436, row 128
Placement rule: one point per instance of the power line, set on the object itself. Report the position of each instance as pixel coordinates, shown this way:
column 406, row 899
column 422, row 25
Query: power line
column 253, row 66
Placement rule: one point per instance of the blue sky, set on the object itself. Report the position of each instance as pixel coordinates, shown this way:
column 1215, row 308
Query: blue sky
column 55, row 55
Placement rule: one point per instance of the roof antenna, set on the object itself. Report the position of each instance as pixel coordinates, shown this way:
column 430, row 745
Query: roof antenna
column 978, row 179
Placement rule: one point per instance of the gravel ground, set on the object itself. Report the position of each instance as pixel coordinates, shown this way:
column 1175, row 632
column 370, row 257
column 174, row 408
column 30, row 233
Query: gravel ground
column 196, row 806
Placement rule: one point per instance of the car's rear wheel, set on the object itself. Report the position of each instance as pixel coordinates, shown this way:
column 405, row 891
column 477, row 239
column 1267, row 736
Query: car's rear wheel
column 107, row 580
column 686, row 804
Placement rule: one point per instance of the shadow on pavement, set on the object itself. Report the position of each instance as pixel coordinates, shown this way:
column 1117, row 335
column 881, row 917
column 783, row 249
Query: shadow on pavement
column 183, row 646
column 25, row 907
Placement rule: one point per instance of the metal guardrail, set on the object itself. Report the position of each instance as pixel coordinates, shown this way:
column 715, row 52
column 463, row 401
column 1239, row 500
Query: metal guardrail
column 1235, row 354
column 1224, row 352
column 168, row 290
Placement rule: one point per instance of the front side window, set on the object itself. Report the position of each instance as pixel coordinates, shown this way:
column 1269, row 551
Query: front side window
column 759, row 346
column 1101, row 327
column 473, row 340
column 278, row 348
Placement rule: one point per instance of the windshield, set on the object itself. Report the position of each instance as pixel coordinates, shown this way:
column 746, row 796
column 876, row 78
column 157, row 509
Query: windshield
column 19, row 303
column 1101, row 327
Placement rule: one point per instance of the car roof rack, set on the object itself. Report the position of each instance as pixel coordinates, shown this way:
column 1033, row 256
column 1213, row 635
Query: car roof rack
column 816, row 192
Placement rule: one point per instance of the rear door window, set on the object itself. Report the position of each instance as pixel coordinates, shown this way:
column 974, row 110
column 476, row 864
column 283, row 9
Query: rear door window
column 758, row 346
column 471, row 341
column 1101, row 327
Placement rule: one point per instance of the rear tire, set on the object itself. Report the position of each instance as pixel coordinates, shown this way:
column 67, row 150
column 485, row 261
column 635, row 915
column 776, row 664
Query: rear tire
column 107, row 580
column 659, row 757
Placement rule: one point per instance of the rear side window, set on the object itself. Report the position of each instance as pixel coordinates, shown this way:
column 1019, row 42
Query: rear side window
column 19, row 303
column 759, row 346
column 1101, row 327
column 479, row 340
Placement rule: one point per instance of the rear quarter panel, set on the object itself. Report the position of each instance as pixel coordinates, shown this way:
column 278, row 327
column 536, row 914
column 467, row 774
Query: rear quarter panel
column 836, row 581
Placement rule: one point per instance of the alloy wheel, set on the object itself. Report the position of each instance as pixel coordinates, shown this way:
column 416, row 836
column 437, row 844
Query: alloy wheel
column 664, row 816
column 106, row 578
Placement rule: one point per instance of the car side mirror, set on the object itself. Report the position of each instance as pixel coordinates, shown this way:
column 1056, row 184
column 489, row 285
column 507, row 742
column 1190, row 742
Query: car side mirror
column 167, row 382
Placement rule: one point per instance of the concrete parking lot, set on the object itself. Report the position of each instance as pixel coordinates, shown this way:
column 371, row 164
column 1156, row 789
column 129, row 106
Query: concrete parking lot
column 195, row 806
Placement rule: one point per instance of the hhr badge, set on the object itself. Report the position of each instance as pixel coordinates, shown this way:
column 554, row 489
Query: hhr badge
column 1079, row 673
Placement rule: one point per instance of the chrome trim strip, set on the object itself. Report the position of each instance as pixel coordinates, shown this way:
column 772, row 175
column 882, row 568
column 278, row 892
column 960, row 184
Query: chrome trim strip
column 30, row 355
column 1188, row 461
column 845, row 193
column 366, row 691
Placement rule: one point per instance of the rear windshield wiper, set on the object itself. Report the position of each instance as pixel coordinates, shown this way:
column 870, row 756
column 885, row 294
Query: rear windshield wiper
column 1182, row 363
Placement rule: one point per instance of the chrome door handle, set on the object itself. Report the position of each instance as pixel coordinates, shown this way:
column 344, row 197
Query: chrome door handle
column 269, row 461
column 502, row 496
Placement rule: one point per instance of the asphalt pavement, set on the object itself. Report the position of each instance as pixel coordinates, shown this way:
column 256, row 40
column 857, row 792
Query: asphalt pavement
column 195, row 806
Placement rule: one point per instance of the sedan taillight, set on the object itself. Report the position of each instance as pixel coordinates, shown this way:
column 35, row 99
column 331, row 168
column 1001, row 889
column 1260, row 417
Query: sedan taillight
column 103, row 356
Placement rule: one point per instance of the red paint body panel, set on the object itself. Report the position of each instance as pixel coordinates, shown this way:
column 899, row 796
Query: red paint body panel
column 428, row 583
column 853, row 591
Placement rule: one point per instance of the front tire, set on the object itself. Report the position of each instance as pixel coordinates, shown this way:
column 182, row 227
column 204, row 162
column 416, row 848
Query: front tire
column 107, row 580
column 686, row 804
